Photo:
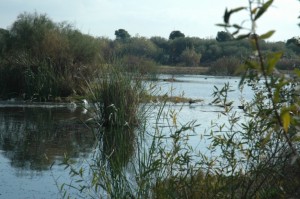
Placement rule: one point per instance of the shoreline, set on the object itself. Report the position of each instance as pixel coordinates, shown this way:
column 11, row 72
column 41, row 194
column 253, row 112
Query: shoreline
column 182, row 70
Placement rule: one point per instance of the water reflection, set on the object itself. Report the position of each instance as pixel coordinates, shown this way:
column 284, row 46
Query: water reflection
column 33, row 138
column 117, row 146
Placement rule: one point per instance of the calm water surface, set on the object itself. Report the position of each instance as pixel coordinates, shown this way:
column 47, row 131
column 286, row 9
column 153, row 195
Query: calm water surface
column 35, row 137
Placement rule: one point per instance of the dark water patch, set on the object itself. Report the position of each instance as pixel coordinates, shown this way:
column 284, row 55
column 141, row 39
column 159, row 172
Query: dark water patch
column 34, row 138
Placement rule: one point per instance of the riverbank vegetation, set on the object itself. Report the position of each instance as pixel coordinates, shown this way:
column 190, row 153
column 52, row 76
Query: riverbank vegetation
column 41, row 59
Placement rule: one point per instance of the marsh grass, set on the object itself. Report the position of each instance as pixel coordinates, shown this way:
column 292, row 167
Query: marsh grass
column 132, row 158
column 117, row 98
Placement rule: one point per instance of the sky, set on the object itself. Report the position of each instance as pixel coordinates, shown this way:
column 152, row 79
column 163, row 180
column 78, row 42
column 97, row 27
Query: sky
column 194, row 18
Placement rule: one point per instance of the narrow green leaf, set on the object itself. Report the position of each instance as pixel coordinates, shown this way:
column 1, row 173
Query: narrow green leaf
column 223, row 25
column 237, row 26
column 237, row 9
column 263, row 9
column 235, row 32
column 252, row 65
column 267, row 35
column 276, row 95
column 228, row 13
column 240, row 37
column 226, row 16
column 272, row 59
column 266, row 139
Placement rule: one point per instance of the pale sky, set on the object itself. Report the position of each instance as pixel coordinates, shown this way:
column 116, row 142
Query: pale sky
column 153, row 17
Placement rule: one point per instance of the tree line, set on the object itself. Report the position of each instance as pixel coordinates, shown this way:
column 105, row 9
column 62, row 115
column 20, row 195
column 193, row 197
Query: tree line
column 42, row 58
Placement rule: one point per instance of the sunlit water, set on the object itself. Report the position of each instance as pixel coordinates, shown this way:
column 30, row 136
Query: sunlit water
column 35, row 137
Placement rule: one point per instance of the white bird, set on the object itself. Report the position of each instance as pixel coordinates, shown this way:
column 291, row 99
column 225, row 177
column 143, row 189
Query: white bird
column 85, row 105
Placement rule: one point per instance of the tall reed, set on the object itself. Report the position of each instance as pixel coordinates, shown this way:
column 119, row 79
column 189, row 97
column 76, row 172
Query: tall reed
column 116, row 96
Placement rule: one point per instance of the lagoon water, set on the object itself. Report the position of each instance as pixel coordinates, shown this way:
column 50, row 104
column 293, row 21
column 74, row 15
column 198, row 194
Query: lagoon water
column 35, row 137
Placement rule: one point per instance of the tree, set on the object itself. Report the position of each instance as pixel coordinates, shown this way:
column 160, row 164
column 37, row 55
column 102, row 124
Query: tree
column 176, row 34
column 140, row 46
column 293, row 44
column 122, row 34
column 177, row 46
column 271, row 162
column 189, row 57
column 293, row 40
column 224, row 36
column 28, row 32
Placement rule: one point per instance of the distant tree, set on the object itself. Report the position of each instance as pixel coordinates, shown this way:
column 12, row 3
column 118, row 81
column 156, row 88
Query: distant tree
column 28, row 32
column 189, row 57
column 213, row 52
column 223, row 36
column 176, row 34
column 141, row 47
column 177, row 46
column 160, row 42
column 122, row 34
column 293, row 40
column 224, row 66
column 293, row 44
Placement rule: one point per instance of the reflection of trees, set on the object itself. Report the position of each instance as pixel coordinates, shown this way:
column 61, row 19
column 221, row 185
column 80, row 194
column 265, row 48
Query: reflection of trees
column 117, row 146
column 33, row 138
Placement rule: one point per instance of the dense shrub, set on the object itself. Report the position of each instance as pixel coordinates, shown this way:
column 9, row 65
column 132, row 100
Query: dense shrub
column 224, row 66
column 288, row 64
column 44, row 56
column 190, row 58
column 139, row 64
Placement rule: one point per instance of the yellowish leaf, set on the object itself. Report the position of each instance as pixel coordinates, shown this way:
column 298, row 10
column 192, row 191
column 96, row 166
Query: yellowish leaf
column 267, row 35
column 286, row 120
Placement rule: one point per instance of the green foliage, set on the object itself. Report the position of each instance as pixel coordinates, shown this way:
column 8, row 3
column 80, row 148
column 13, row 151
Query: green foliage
column 227, row 66
column 288, row 64
column 141, row 65
column 293, row 40
column 122, row 35
column 49, row 59
column 190, row 58
column 268, row 130
column 117, row 98
column 27, row 32
column 294, row 45
column 4, row 37
column 224, row 36
column 177, row 46
column 141, row 47
column 176, row 34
